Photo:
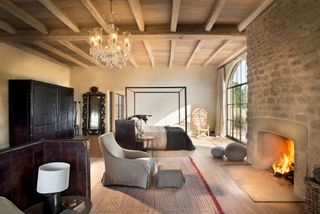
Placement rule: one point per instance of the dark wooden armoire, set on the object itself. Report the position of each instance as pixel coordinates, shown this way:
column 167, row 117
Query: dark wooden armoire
column 39, row 110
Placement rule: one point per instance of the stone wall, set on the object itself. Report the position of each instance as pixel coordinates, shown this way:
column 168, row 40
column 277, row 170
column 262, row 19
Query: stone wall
column 284, row 69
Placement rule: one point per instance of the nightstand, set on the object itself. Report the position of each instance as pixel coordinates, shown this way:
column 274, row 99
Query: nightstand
column 145, row 142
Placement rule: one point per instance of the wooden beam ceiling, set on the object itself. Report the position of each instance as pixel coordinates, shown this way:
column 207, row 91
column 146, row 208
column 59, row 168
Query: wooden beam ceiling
column 216, row 52
column 233, row 55
column 244, row 24
column 23, row 16
column 8, row 28
column 133, row 61
column 59, row 53
column 172, row 48
column 35, row 52
column 60, row 14
column 149, row 51
column 216, row 10
column 80, row 52
column 181, row 43
column 174, row 15
column 188, row 32
column 95, row 13
column 195, row 52
column 137, row 13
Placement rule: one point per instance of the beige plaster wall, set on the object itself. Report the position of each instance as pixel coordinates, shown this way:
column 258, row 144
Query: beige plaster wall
column 17, row 64
column 200, row 82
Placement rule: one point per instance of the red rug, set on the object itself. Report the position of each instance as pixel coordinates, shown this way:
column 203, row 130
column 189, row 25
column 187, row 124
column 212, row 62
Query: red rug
column 194, row 197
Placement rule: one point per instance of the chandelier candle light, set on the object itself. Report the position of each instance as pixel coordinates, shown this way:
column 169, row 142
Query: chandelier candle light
column 112, row 53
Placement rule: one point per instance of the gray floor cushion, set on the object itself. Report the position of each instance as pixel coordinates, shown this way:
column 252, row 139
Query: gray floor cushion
column 235, row 152
column 169, row 175
column 217, row 152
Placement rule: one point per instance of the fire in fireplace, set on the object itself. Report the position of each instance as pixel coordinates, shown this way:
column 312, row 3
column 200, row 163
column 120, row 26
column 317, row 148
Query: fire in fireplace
column 284, row 166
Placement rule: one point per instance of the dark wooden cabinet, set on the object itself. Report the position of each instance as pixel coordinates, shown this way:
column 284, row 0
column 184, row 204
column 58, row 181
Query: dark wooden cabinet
column 39, row 110
column 65, row 112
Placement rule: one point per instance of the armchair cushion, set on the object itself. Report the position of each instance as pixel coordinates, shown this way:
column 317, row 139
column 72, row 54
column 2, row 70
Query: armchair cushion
column 8, row 207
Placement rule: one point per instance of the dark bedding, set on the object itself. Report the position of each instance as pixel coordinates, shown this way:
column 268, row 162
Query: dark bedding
column 177, row 139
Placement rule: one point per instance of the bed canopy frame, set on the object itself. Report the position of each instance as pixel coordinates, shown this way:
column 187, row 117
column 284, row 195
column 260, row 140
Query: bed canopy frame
column 181, row 91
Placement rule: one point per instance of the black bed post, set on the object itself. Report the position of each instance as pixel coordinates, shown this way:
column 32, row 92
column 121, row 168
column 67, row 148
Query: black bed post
column 185, row 109
column 126, row 94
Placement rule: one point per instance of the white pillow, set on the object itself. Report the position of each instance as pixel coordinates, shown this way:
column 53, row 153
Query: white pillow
column 140, row 125
column 134, row 118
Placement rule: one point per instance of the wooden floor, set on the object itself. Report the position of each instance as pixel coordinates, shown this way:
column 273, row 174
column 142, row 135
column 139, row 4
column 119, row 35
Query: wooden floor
column 230, row 196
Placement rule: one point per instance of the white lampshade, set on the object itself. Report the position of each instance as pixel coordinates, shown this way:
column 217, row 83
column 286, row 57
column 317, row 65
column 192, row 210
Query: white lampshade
column 53, row 177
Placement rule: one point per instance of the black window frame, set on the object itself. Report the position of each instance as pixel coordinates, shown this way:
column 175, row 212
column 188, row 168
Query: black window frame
column 232, row 121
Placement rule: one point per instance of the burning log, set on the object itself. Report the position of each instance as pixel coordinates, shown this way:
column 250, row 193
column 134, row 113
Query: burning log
column 284, row 167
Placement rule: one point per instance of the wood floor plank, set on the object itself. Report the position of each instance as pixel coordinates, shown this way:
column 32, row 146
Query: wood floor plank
column 230, row 196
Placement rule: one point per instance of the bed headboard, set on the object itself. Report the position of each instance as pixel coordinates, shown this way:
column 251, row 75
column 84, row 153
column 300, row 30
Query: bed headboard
column 125, row 134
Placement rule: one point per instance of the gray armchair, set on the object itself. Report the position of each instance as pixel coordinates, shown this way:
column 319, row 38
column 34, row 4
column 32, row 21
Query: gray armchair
column 124, row 167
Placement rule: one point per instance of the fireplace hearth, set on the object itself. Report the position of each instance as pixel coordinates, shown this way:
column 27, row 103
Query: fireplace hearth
column 267, row 141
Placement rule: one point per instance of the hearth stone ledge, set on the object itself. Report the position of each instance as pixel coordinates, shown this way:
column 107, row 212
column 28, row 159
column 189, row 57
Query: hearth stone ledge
column 288, row 129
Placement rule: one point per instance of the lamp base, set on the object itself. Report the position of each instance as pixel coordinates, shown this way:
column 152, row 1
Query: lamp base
column 52, row 203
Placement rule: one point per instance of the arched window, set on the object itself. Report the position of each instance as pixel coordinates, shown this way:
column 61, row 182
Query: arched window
column 237, row 100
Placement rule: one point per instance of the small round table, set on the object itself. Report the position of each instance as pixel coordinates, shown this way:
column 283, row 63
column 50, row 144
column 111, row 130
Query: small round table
column 146, row 141
column 37, row 208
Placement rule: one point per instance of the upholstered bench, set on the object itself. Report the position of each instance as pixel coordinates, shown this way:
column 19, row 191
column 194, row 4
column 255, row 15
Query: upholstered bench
column 169, row 174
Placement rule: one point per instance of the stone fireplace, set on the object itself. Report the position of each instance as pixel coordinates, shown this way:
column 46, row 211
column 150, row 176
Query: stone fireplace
column 264, row 135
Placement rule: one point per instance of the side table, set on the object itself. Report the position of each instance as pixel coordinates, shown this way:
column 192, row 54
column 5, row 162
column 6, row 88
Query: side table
column 145, row 142
column 37, row 208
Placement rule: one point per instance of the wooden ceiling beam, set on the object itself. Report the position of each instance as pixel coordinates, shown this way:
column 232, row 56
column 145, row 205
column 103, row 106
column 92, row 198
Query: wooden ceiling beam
column 80, row 52
column 233, row 55
column 59, row 53
column 54, row 9
column 36, row 53
column 172, row 48
column 174, row 15
column 195, row 52
column 95, row 14
column 216, row 51
column 216, row 10
column 23, row 16
column 244, row 24
column 151, row 33
column 8, row 28
column 137, row 13
column 149, row 51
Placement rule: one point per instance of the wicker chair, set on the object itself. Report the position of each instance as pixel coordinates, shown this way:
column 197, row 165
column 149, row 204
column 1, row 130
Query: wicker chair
column 200, row 120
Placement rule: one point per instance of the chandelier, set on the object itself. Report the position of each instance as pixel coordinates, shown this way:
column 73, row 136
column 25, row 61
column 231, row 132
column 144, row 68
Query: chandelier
column 110, row 52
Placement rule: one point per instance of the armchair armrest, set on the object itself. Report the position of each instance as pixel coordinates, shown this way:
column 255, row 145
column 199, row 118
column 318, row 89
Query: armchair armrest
column 133, row 154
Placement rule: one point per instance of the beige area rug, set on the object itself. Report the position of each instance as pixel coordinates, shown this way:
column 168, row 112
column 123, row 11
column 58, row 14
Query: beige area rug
column 194, row 197
column 261, row 185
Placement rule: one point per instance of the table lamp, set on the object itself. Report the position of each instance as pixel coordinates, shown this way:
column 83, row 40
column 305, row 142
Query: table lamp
column 53, row 178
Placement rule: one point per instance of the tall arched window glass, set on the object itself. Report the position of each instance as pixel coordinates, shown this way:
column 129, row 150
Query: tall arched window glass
column 237, row 102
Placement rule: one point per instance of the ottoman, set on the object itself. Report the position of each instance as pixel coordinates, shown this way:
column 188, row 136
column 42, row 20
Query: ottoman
column 169, row 175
